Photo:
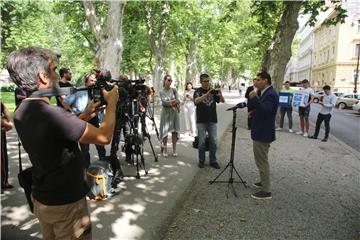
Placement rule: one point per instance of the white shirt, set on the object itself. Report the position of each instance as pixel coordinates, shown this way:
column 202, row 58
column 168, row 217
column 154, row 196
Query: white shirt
column 329, row 102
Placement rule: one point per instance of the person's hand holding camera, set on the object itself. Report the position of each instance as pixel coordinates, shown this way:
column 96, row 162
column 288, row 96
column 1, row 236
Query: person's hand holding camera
column 90, row 111
column 111, row 97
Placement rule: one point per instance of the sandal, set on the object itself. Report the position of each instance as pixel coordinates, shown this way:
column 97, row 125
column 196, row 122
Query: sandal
column 175, row 154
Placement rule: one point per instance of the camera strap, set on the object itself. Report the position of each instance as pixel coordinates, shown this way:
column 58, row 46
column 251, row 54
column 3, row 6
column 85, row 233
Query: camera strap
column 56, row 91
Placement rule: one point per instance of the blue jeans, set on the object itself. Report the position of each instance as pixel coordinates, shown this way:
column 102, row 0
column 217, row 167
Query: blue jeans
column 211, row 129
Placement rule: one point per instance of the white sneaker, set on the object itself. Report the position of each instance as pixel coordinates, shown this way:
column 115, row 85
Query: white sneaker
column 278, row 129
column 291, row 131
column 299, row 133
column 306, row 134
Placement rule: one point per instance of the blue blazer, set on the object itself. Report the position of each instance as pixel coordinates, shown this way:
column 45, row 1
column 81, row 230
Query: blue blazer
column 263, row 117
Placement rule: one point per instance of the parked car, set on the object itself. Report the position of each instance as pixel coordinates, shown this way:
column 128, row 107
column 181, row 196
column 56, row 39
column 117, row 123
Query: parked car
column 356, row 107
column 347, row 101
column 338, row 94
column 317, row 96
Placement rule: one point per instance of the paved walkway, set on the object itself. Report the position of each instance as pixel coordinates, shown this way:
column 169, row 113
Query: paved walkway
column 143, row 207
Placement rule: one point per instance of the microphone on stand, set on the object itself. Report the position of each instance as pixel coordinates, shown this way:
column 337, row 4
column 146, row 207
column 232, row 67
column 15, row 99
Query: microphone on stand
column 239, row 105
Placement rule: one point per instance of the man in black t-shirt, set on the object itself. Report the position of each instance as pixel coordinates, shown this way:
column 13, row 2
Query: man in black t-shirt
column 65, row 81
column 205, row 100
column 49, row 135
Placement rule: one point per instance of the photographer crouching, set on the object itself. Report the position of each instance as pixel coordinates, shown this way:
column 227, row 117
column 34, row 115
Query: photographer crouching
column 58, row 176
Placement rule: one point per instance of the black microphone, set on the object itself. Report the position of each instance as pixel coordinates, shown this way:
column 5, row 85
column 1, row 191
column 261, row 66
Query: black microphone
column 239, row 105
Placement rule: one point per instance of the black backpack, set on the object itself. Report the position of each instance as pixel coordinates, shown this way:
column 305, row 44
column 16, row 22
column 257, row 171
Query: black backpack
column 196, row 142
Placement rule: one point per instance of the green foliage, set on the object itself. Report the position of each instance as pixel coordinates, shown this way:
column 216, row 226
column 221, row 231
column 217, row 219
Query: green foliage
column 8, row 87
column 136, row 53
column 24, row 27
column 314, row 7
column 8, row 98
column 230, row 36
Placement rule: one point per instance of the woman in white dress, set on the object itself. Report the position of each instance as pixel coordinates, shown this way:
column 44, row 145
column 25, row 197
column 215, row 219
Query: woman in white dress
column 169, row 121
column 189, row 109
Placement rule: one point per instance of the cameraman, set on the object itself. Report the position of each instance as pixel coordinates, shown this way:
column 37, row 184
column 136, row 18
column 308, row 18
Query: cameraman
column 122, row 124
column 205, row 100
column 58, row 175
column 77, row 103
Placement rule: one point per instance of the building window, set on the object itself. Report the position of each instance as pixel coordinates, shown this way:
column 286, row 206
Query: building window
column 358, row 26
column 327, row 56
column 357, row 49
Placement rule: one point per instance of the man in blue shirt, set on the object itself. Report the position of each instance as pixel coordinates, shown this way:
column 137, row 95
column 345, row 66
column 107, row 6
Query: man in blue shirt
column 263, row 129
column 78, row 102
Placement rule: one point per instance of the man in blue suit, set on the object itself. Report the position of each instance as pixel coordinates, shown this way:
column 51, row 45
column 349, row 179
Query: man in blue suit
column 265, row 103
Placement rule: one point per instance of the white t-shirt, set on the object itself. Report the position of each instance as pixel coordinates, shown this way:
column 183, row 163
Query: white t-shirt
column 309, row 91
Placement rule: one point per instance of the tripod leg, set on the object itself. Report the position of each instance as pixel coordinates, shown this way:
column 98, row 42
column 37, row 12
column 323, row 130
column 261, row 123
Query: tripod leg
column 147, row 135
column 242, row 181
column 143, row 159
column 152, row 148
column 211, row 182
column 137, row 167
column 233, row 189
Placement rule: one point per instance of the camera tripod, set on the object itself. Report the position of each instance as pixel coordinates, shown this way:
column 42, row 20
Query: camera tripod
column 149, row 114
column 134, row 141
column 230, row 164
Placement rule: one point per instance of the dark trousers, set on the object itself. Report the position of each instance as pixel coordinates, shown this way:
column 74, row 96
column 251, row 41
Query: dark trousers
column 4, row 161
column 319, row 120
column 288, row 111
column 122, row 125
column 86, row 154
column 86, row 147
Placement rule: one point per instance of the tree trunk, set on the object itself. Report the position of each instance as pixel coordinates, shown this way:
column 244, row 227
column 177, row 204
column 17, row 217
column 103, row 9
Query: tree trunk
column 229, row 75
column 158, row 44
column 279, row 52
column 110, row 40
column 159, row 73
column 191, row 62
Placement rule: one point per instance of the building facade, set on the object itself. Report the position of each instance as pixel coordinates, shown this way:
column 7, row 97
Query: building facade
column 335, row 52
column 327, row 55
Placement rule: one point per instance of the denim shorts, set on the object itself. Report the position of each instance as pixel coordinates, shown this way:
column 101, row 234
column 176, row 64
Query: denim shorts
column 304, row 112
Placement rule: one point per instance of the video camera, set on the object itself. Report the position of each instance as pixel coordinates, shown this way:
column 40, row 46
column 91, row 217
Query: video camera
column 214, row 91
column 103, row 79
column 133, row 88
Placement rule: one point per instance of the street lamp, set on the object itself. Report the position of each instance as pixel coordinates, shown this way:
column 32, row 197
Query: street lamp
column 357, row 70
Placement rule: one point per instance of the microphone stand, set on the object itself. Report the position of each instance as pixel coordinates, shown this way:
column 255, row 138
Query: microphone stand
column 230, row 165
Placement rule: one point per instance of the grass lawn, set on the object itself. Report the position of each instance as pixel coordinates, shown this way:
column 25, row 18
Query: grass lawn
column 8, row 98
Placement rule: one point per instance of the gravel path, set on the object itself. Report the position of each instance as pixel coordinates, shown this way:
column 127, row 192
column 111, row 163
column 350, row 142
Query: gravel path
column 315, row 189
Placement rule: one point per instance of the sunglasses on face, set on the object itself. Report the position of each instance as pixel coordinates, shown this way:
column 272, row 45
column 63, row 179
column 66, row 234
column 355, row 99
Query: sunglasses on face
column 169, row 80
